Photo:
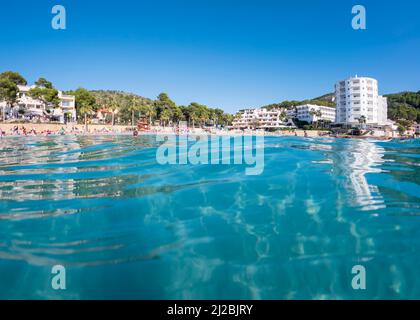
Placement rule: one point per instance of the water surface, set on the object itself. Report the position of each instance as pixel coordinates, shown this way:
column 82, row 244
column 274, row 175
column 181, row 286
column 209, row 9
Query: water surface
column 126, row 227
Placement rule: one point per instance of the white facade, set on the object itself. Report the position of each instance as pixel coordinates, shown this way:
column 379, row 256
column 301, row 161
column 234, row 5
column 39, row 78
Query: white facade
column 259, row 118
column 382, row 110
column 67, row 107
column 312, row 113
column 27, row 106
column 357, row 97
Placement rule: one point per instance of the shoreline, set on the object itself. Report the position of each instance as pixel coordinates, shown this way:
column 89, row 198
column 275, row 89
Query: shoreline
column 49, row 129
column 42, row 129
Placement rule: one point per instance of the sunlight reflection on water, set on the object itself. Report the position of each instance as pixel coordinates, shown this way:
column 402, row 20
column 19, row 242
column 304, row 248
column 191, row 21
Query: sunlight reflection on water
column 105, row 209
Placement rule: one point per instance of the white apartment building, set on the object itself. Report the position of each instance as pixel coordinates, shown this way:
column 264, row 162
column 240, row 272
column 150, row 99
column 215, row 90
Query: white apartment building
column 357, row 97
column 312, row 113
column 67, row 107
column 26, row 106
column 259, row 118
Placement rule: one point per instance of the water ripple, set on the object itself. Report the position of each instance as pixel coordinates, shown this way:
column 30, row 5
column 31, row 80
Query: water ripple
column 102, row 205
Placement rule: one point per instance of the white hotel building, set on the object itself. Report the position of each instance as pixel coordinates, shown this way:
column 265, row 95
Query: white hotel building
column 259, row 118
column 308, row 113
column 357, row 97
column 35, row 108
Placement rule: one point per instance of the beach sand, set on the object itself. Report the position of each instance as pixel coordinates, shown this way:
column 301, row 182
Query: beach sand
column 40, row 128
column 94, row 129
column 7, row 128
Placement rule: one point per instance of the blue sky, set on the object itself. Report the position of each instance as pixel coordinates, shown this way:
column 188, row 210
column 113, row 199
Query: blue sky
column 222, row 53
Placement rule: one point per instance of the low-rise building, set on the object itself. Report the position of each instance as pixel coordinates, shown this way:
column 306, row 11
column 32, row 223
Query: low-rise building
column 29, row 107
column 312, row 113
column 67, row 107
column 259, row 119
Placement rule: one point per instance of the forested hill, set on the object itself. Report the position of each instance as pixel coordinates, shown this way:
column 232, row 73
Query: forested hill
column 109, row 98
column 404, row 105
column 325, row 100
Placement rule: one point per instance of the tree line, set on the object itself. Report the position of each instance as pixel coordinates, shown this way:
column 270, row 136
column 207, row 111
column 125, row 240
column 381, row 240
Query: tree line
column 126, row 108
column 118, row 107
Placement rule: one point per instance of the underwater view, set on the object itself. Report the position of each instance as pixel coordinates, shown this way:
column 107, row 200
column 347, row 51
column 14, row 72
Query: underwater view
column 126, row 227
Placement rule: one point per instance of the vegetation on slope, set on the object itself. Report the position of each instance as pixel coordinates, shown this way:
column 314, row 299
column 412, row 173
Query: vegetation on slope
column 325, row 100
column 404, row 106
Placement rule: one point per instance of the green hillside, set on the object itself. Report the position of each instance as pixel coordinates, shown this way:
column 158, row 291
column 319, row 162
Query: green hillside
column 325, row 100
column 106, row 98
column 404, row 106
column 401, row 106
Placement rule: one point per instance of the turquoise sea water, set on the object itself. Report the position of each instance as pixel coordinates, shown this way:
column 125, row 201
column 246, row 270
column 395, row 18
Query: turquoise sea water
column 126, row 227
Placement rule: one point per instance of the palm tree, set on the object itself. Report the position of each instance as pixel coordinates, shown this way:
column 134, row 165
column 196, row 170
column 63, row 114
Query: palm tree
column 218, row 114
column 315, row 113
column 193, row 113
column 312, row 113
column 149, row 111
column 283, row 116
column 177, row 114
column 203, row 115
column 165, row 116
column 362, row 120
column 85, row 103
column 113, row 107
column 255, row 123
column 318, row 114
column 133, row 105
column 84, row 110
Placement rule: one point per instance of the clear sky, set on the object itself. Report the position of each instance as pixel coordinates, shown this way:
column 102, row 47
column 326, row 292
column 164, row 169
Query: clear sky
column 222, row 53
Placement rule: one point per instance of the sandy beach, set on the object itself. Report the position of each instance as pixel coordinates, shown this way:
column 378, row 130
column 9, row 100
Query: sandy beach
column 9, row 129
column 13, row 129
column 44, row 129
